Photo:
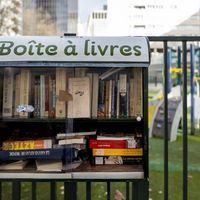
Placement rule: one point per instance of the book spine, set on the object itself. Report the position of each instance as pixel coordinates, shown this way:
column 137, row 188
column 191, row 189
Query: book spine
column 24, row 90
column 137, row 92
column 33, row 154
column 117, row 152
column 1, row 93
column 8, row 92
column 101, row 144
column 106, row 103
column 95, row 86
column 46, row 83
column 123, row 95
column 16, row 94
column 101, row 99
column 126, row 160
column 114, row 99
column 60, row 85
column 27, row 144
column 53, row 110
column 42, row 95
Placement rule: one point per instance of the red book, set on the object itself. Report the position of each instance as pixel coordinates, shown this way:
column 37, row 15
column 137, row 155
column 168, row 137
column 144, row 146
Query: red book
column 108, row 144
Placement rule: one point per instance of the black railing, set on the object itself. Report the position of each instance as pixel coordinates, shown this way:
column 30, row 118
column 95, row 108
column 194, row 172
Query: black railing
column 183, row 40
column 131, row 189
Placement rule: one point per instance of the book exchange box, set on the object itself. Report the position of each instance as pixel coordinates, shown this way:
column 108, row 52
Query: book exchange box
column 74, row 107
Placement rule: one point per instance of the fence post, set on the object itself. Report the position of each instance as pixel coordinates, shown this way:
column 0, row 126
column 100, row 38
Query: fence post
column 139, row 190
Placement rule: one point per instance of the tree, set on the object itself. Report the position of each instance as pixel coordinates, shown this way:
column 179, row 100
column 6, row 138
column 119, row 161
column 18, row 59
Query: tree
column 11, row 15
column 40, row 24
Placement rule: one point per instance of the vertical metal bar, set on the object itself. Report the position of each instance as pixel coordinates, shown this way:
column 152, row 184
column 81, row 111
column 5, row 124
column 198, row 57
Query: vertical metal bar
column 16, row 190
column 192, row 55
column 139, row 189
column 108, row 190
column 70, row 189
column 33, row 190
column 145, row 128
column 127, row 190
column 185, row 141
column 179, row 66
column 166, row 78
column 88, row 190
column 0, row 190
column 53, row 190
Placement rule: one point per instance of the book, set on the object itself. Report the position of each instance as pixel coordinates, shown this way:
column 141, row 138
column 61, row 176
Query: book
column 8, row 79
column 25, row 82
column 108, row 144
column 115, row 137
column 57, row 153
column 80, row 105
column 1, row 92
column 121, row 160
column 110, row 72
column 94, row 87
column 66, row 135
column 61, row 84
column 80, row 140
column 118, row 152
column 107, row 99
column 27, row 144
column 131, row 141
column 52, row 95
column 14, row 165
column 46, row 95
column 136, row 90
column 16, row 93
column 123, row 95
column 101, row 99
column 42, row 96
column 53, row 165
column 36, row 96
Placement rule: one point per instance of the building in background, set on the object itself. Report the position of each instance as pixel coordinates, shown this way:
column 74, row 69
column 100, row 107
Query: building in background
column 97, row 23
column 49, row 17
column 142, row 17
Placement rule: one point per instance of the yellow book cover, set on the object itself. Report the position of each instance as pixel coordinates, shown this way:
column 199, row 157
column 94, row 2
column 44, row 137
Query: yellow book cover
column 27, row 144
column 117, row 152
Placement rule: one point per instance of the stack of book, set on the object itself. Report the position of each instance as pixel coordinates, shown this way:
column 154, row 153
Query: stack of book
column 115, row 150
column 77, row 141
column 40, row 151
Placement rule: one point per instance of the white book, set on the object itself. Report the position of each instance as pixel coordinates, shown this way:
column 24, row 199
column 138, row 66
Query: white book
column 80, row 105
column 65, row 135
column 49, row 165
column 72, row 141
column 8, row 92
column 14, row 165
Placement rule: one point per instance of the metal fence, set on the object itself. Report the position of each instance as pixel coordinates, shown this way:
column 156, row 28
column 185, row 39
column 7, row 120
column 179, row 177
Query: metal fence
column 136, row 189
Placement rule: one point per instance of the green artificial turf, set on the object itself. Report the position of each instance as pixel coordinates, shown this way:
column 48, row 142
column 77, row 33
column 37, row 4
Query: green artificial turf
column 156, row 168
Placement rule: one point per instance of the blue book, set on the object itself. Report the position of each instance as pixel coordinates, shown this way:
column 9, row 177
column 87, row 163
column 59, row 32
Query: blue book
column 58, row 153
